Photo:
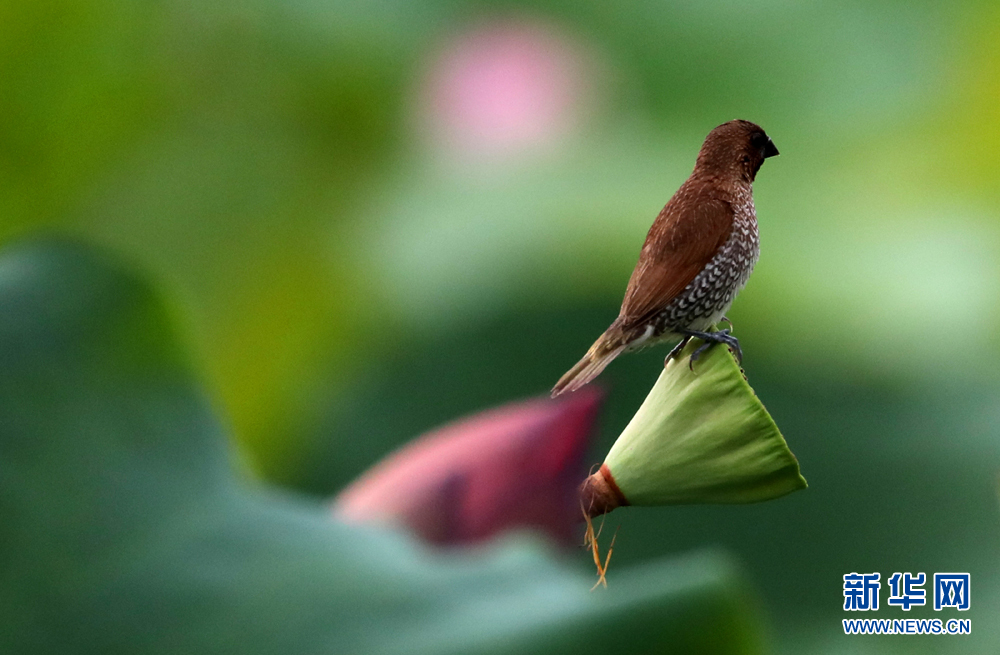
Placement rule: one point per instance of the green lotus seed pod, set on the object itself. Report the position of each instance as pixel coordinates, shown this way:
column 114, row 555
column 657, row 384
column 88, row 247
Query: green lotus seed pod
column 699, row 437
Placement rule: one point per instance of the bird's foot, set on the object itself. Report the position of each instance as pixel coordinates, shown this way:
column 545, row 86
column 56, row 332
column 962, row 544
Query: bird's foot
column 676, row 350
column 727, row 322
column 710, row 339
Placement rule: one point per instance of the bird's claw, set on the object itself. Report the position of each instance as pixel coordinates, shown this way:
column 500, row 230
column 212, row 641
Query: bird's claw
column 676, row 350
column 710, row 339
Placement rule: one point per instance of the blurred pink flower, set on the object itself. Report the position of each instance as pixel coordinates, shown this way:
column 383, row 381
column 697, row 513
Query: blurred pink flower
column 517, row 466
column 503, row 89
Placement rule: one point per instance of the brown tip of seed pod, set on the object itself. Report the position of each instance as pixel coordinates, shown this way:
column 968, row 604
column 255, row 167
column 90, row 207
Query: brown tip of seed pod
column 599, row 494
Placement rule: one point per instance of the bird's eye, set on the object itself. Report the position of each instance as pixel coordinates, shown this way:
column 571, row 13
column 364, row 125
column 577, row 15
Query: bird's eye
column 758, row 140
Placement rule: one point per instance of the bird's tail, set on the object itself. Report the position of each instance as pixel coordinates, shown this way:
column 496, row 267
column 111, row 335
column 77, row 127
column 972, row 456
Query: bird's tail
column 599, row 356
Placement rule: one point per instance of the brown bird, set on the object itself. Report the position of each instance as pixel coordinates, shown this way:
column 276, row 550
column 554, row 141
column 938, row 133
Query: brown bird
column 697, row 256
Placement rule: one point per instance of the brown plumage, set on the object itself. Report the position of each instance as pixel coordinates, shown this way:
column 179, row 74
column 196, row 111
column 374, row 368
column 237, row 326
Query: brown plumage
column 697, row 256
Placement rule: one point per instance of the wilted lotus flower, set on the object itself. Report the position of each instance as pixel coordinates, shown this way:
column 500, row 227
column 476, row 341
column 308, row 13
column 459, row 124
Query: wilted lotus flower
column 504, row 89
column 517, row 466
column 699, row 437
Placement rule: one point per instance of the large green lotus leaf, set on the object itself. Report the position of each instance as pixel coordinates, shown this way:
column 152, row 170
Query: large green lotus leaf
column 702, row 436
column 124, row 530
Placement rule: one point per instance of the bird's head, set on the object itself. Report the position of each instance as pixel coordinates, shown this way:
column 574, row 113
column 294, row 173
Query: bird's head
column 737, row 148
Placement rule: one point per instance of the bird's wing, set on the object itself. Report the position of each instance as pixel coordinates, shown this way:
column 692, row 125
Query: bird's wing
column 683, row 239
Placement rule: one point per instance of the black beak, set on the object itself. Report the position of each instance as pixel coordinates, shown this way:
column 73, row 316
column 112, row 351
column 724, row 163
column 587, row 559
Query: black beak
column 769, row 149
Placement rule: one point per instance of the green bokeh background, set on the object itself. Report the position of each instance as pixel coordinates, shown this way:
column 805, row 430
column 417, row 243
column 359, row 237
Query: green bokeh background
column 348, row 283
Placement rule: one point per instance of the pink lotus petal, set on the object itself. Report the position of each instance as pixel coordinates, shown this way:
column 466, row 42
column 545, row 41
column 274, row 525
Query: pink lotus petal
column 517, row 466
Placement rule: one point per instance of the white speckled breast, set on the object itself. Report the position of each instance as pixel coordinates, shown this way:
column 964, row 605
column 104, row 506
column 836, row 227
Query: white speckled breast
column 709, row 295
